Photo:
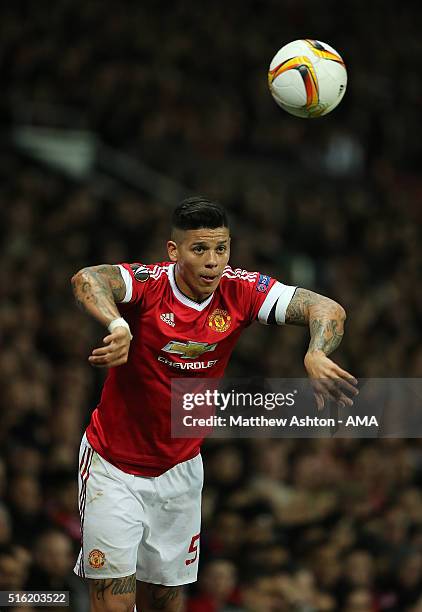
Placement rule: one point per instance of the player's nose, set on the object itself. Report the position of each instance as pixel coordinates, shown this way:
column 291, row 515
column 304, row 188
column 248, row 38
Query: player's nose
column 211, row 260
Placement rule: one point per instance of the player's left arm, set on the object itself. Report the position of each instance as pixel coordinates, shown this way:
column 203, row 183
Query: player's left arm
column 325, row 319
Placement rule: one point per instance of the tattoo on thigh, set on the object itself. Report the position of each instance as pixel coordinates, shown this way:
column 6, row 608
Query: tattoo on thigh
column 115, row 586
column 160, row 596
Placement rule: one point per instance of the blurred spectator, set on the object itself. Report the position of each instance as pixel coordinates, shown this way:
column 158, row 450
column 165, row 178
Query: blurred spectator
column 26, row 503
column 359, row 600
column 52, row 569
column 215, row 587
column 14, row 567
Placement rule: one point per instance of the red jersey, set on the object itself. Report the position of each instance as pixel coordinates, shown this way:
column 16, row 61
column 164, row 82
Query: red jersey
column 173, row 336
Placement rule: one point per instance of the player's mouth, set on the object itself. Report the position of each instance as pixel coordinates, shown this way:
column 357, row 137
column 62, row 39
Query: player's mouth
column 208, row 279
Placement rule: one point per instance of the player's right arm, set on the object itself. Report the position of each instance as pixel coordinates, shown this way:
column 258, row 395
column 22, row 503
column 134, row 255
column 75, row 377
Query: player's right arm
column 97, row 290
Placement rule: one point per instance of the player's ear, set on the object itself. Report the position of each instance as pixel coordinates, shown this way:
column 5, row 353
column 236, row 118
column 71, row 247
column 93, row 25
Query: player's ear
column 172, row 250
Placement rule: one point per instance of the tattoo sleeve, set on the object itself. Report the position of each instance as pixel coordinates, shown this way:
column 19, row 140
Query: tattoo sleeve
column 97, row 290
column 324, row 317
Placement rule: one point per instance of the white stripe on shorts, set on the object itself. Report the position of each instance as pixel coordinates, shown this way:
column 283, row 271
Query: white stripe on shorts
column 84, row 471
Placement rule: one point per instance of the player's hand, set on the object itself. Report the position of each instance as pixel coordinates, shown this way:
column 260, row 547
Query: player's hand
column 115, row 350
column 329, row 381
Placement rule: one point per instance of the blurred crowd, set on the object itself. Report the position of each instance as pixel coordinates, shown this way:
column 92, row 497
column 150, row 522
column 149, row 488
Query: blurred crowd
column 334, row 205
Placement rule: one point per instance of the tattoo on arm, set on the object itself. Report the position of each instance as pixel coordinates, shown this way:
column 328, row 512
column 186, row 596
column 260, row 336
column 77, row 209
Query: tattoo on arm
column 115, row 586
column 160, row 596
column 324, row 316
column 98, row 289
column 326, row 335
column 297, row 312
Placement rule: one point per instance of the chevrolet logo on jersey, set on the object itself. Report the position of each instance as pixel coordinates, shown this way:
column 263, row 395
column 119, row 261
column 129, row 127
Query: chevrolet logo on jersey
column 188, row 349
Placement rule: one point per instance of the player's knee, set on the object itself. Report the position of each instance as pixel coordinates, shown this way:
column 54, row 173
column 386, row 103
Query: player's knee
column 159, row 597
column 113, row 594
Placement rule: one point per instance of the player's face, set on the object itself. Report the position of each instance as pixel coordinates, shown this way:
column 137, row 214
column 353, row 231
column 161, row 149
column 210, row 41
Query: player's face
column 201, row 256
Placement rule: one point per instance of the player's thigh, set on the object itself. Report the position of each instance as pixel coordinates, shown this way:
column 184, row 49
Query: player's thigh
column 111, row 521
column 169, row 551
column 152, row 597
column 112, row 594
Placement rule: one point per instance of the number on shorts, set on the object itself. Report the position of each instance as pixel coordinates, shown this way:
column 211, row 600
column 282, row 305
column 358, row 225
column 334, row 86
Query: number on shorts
column 193, row 549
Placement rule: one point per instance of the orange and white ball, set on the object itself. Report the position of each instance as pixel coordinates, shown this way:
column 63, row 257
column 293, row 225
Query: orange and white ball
column 307, row 78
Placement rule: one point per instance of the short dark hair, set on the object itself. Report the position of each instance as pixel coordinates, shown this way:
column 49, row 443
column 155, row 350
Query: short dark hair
column 197, row 212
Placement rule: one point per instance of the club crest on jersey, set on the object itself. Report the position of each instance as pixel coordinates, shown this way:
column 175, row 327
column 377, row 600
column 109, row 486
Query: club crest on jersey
column 96, row 558
column 219, row 320
column 188, row 349
column 141, row 273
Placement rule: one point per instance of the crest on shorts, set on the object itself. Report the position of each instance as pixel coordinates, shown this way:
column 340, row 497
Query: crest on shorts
column 219, row 320
column 96, row 558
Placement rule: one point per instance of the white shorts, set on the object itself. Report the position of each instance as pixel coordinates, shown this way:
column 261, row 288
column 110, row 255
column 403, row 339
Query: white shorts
column 136, row 524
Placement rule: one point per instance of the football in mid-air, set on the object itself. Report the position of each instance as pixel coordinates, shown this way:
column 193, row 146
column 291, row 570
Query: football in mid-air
column 307, row 78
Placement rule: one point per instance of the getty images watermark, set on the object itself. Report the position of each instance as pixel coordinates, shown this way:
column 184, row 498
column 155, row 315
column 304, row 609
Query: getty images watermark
column 223, row 399
column 287, row 408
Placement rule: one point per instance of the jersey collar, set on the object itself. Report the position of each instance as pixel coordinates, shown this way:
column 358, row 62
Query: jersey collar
column 182, row 297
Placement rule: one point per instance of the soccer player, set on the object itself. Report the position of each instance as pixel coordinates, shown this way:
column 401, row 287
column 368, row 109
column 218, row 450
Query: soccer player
column 140, row 490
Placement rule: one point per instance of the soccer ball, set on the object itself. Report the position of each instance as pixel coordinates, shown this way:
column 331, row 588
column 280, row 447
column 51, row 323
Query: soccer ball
column 307, row 78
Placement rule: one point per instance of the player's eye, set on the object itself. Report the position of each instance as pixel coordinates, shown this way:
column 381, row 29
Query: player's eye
column 221, row 249
column 198, row 249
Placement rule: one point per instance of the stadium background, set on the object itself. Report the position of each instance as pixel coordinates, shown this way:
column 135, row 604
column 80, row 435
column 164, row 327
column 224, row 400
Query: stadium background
column 110, row 112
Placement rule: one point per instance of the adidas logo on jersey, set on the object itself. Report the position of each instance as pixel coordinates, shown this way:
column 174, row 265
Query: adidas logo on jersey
column 168, row 318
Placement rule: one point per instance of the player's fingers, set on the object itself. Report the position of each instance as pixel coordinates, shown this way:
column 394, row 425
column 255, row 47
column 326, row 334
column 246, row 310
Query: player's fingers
column 344, row 401
column 345, row 375
column 96, row 364
column 333, row 375
column 113, row 345
column 326, row 387
column 322, row 392
column 317, row 386
column 106, row 353
column 319, row 401
column 343, row 392
column 97, row 360
column 106, row 358
column 120, row 334
column 346, row 387
column 335, row 391
column 109, row 360
column 118, row 343
column 103, row 350
column 342, row 387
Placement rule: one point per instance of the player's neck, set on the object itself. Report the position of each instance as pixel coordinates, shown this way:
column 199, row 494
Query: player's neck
column 187, row 290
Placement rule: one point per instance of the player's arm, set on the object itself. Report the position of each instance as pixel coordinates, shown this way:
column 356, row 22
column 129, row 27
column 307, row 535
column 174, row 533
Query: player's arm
column 97, row 290
column 325, row 319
